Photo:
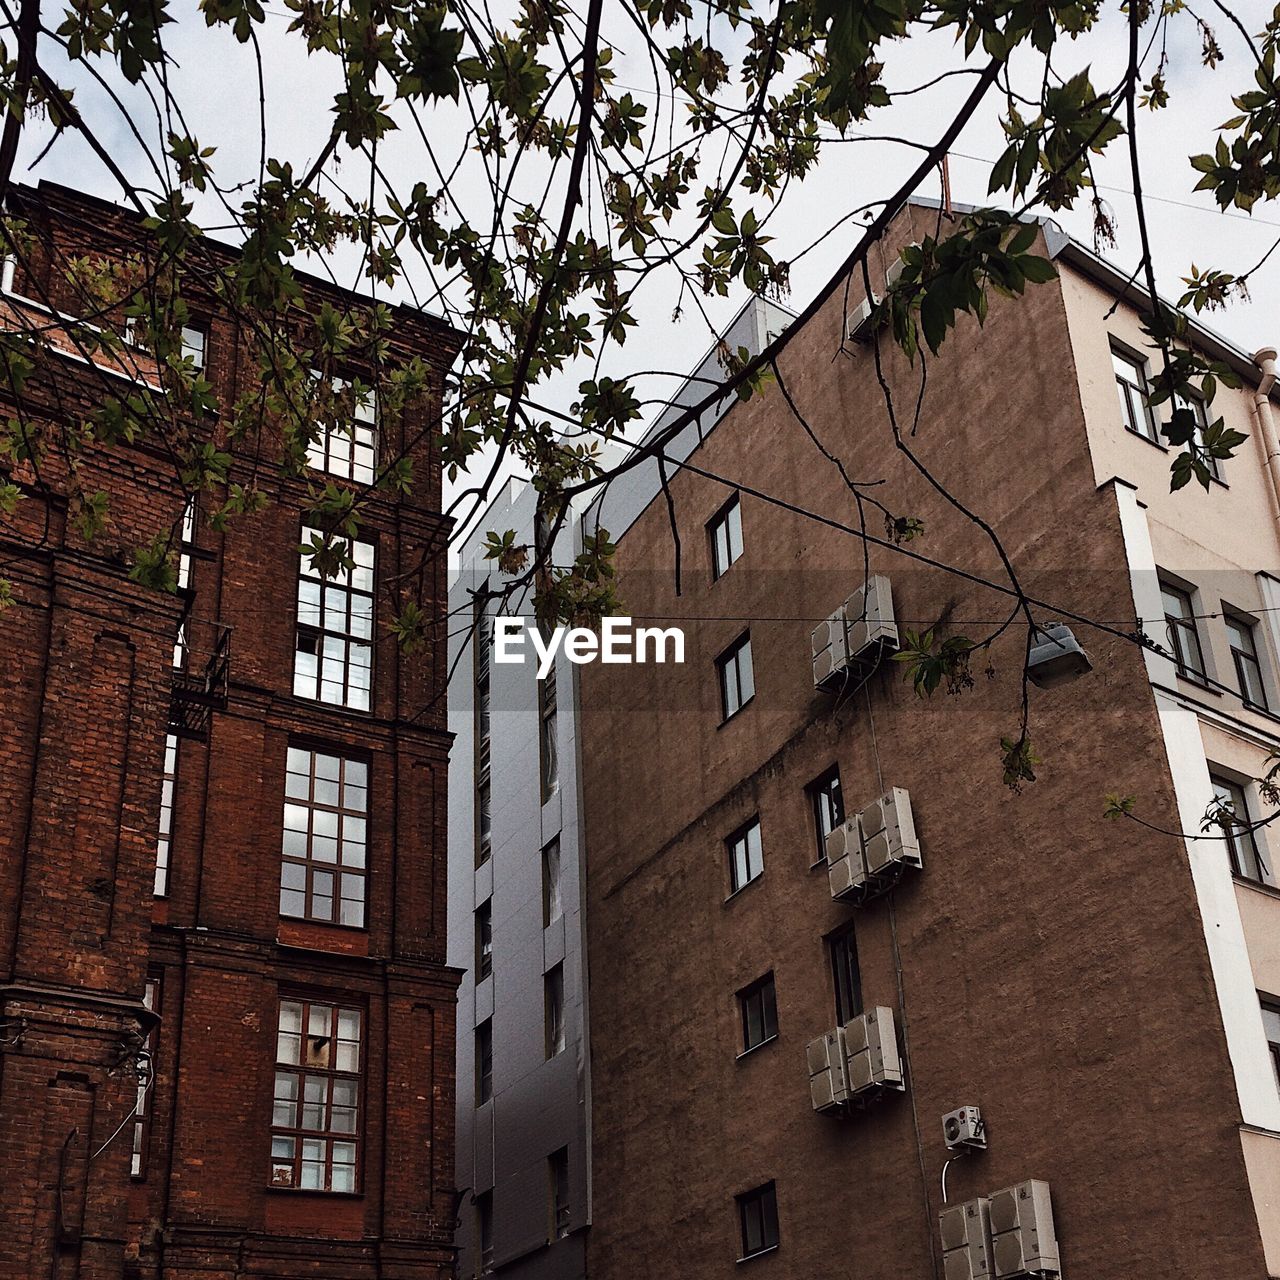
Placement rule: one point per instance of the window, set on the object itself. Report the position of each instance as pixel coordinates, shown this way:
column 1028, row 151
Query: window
column 1242, row 845
column 186, row 544
column 758, row 1216
column 334, row 658
column 322, row 869
column 746, row 857
column 758, row 1006
column 146, row 1081
column 348, row 449
column 552, row 907
column 1271, row 1025
column 725, row 531
column 484, row 1062
column 1131, row 382
column 553, row 1007
column 1243, row 638
column 481, row 633
column 558, row 1182
column 737, row 680
column 484, row 822
column 484, row 1231
column 314, row 1123
column 548, row 764
column 1201, row 416
column 484, row 724
column 1184, row 640
column 484, row 940
column 828, row 808
column 194, row 341
column 164, row 836
column 843, row 949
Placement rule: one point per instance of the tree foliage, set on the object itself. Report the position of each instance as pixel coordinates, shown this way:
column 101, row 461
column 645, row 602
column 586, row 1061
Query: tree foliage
column 598, row 195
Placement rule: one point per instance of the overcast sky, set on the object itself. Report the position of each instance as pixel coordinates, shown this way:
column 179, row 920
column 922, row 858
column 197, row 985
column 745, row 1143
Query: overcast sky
column 216, row 81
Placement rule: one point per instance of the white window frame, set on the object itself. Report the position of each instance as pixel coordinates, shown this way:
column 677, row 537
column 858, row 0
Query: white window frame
column 336, row 620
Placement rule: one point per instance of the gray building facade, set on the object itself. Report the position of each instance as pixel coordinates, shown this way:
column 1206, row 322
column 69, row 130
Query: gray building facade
column 516, row 887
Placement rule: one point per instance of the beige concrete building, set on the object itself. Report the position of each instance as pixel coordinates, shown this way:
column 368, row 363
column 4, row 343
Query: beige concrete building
column 1212, row 566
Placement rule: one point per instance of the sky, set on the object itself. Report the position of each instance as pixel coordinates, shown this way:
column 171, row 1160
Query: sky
column 217, row 82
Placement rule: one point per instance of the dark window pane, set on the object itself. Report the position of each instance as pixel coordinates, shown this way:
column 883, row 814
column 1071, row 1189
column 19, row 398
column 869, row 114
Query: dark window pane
column 1184, row 640
column 1243, row 848
column 736, row 676
column 746, row 856
column 725, row 531
column 1244, row 654
column 844, row 972
column 758, row 1215
column 759, row 1009
column 828, row 809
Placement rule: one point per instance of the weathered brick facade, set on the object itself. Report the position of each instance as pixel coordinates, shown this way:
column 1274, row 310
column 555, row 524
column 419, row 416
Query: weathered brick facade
column 85, row 676
column 1045, row 964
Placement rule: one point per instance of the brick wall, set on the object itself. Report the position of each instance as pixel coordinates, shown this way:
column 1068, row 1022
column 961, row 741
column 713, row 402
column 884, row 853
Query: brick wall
column 1048, row 965
column 86, row 679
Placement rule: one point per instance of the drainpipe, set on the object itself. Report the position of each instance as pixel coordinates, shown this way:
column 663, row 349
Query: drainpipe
column 1266, row 361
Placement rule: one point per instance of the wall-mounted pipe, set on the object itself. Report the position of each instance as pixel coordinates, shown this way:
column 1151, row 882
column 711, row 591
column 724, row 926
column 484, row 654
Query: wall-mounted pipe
column 1263, row 410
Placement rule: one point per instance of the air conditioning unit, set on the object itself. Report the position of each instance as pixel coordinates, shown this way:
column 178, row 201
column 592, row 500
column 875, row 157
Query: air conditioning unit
column 966, row 1241
column 1023, row 1242
column 845, row 871
column 964, row 1129
column 860, row 319
column 830, row 652
column 889, row 841
column 893, row 272
column 828, row 1071
column 868, row 615
column 871, row 1044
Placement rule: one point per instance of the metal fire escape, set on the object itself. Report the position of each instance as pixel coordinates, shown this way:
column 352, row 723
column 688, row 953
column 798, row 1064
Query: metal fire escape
column 198, row 691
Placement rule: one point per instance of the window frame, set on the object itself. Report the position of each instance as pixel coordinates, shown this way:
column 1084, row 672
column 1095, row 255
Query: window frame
column 1241, row 845
column 484, row 1061
column 1142, row 387
column 548, row 734
column 727, row 520
column 1183, row 625
column 846, row 974
column 1201, row 413
column 484, row 1232
column 560, row 1207
column 484, row 940
column 1271, row 1026
column 186, row 554
column 766, row 990
column 732, row 657
column 819, row 792
column 331, row 1075
column 360, row 433
column 143, row 1107
column 742, row 835
column 164, row 824
column 550, row 900
column 765, row 1196
column 340, row 870
column 555, row 1023
column 321, row 633
column 1241, row 658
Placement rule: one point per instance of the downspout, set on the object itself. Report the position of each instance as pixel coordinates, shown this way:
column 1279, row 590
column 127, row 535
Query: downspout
column 1265, row 359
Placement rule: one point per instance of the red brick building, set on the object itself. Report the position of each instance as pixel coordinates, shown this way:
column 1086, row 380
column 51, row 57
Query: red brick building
column 226, row 1024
